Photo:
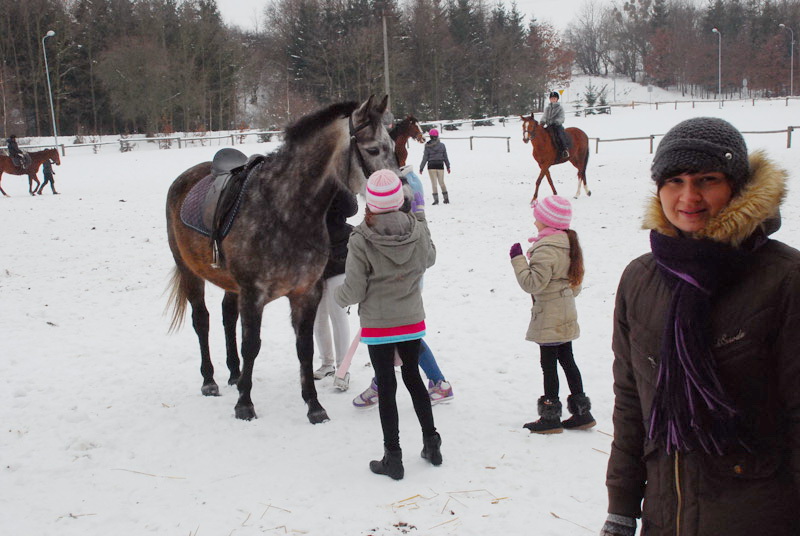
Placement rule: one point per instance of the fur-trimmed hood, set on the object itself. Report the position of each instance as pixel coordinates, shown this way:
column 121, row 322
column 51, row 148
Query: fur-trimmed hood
column 758, row 204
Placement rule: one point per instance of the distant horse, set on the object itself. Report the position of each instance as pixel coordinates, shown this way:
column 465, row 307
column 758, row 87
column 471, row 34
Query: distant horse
column 544, row 152
column 37, row 158
column 278, row 244
column 405, row 129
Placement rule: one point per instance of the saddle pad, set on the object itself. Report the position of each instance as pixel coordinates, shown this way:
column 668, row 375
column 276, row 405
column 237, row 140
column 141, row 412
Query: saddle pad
column 193, row 206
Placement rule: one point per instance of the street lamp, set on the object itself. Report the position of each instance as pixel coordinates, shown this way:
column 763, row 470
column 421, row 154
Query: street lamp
column 50, row 33
column 719, row 62
column 791, row 59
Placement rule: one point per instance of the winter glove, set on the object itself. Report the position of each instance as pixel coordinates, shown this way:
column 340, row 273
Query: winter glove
column 420, row 170
column 617, row 525
column 448, row 170
column 516, row 250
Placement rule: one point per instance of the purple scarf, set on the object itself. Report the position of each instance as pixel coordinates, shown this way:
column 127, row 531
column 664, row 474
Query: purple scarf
column 691, row 409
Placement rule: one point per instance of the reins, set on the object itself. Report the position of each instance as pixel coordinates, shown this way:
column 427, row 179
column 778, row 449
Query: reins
column 354, row 147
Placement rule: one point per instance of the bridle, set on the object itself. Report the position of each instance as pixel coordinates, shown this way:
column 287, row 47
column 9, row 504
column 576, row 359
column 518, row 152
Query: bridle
column 528, row 130
column 355, row 148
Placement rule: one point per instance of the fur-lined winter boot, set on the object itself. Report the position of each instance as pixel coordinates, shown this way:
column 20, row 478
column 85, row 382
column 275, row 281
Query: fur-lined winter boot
column 435, row 199
column 550, row 417
column 391, row 465
column 446, row 199
column 431, row 448
column 579, row 406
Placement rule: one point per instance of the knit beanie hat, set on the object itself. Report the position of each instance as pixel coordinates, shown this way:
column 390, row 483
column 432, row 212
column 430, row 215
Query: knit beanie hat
column 434, row 133
column 554, row 94
column 384, row 192
column 554, row 211
column 700, row 145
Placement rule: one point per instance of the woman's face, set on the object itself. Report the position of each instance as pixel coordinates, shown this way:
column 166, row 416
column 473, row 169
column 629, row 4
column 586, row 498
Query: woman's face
column 690, row 200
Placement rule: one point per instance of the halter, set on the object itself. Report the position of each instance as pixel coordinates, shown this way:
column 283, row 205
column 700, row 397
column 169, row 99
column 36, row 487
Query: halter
column 528, row 134
column 354, row 147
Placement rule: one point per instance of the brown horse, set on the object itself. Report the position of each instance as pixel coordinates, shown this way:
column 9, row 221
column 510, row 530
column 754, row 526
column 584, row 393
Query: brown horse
column 544, row 152
column 37, row 158
column 278, row 244
column 405, row 129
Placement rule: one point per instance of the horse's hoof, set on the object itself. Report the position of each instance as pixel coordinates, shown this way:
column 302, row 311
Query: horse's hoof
column 318, row 417
column 210, row 389
column 588, row 194
column 233, row 380
column 246, row 413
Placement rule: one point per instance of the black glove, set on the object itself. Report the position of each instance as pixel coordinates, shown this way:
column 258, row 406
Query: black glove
column 617, row 525
column 516, row 250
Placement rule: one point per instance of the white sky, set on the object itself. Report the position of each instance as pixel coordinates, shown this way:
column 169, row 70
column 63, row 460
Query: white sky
column 247, row 13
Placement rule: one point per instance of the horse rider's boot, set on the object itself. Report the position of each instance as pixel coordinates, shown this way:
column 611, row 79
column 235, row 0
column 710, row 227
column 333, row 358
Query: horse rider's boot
column 446, row 199
column 391, row 465
column 435, row 199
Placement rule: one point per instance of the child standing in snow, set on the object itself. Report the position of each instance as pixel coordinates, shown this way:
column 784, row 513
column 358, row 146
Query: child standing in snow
column 553, row 277
column 387, row 256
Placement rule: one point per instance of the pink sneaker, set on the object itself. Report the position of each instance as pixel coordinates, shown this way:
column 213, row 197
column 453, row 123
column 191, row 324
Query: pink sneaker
column 442, row 391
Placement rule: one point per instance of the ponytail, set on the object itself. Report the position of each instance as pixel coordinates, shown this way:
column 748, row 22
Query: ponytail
column 576, row 269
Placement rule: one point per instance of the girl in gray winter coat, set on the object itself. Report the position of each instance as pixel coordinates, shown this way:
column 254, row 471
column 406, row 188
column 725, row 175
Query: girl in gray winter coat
column 387, row 256
column 435, row 156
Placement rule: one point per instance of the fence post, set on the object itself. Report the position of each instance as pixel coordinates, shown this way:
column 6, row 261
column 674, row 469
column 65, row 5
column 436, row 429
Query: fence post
column 508, row 144
column 692, row 104
column 179, row 142
column 656, row 106
column 789, row 137
column 787, row 101
column 754, row 102
column 470, row 143
column 676, row 105
column 652, row 137
column 63, row 150
column 596, row 145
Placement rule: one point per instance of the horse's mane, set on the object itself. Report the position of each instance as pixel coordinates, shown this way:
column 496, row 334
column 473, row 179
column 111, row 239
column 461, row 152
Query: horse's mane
column 311, row 123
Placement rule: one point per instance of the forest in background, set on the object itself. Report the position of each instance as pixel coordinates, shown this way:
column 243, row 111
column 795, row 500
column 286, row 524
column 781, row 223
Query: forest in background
column 146, row 66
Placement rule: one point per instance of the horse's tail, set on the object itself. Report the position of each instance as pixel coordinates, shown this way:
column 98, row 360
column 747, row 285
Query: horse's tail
column 178, row 298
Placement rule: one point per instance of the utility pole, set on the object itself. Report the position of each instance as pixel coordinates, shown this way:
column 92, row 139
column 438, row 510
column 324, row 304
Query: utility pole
column 386, row 64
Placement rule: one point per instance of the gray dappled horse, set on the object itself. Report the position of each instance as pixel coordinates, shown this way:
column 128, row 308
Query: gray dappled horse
column 278, row 245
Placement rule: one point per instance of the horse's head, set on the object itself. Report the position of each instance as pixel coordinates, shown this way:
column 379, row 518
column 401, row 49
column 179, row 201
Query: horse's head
column 53, row 155
column 371, row 148
column 414, row 129
column 529, row 125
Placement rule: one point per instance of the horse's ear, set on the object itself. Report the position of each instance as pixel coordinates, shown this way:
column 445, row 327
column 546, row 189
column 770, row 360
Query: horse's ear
column 384, row 103
column 364, row 109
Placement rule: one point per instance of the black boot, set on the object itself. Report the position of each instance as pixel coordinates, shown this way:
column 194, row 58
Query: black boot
column 431, row 448
column 550, row 417
column 446, row 199
column 391, row 465
column 579, row 405
column 435, row 199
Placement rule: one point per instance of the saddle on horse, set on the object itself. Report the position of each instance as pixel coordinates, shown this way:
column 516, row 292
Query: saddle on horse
column 22, row 162
column 560, row 141
column 212, row 204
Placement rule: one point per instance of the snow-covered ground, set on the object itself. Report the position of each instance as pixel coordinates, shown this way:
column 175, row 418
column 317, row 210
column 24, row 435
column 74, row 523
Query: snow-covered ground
column 104, row 427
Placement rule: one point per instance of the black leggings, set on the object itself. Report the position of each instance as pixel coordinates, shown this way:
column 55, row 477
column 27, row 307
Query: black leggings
column 551, row 356
column 382, row 357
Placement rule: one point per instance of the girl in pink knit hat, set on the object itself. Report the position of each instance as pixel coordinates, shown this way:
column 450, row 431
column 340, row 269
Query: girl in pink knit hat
column 552, row 274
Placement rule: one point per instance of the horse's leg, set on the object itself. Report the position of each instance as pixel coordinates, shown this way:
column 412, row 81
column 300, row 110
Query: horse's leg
column 251, row 309
column 195, row 294
column 304, row 310
column 580, row 164
column 230, row 315
column 31, row 179
column 550, row 180
column 538, row 182
column 1, row 187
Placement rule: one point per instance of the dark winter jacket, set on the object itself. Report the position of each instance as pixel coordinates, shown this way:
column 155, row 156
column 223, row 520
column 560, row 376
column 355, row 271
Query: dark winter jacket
column 47, row 170
column 343, row 206
column 435, row 156
column 385, row 265
column 553, row 114
column 755, row 341
column 13, row 148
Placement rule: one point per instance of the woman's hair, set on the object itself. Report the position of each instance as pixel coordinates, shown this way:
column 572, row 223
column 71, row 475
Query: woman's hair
column 576, row 269
column 369, row 216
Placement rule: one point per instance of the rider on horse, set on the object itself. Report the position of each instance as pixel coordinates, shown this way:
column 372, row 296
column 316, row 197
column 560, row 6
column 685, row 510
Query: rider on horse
column 552, row 120
column 15, row 152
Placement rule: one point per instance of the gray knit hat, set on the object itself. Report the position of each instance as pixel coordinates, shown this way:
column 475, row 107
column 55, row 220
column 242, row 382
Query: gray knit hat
column 702, row 144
